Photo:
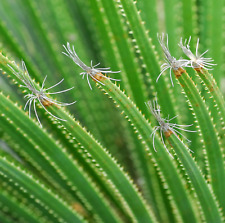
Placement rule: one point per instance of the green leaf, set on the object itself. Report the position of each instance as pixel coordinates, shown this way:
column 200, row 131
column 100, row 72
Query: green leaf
column 38, row 190
column 22, row 211
column 147, row 53
column 209, row 134
column 167, row 169
column 104, row 167
column 202, row 190
column 58, row 158
column 101, row 158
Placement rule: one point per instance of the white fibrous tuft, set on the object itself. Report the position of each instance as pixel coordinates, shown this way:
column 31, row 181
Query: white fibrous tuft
column 171, row 62
column 197, row 61
column 36, row 95
column 165, row 127
column 91, row 71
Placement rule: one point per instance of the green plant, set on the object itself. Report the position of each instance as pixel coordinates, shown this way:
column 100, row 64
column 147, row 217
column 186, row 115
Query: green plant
column 111, row 170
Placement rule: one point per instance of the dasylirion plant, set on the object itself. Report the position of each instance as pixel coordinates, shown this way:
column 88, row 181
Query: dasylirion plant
column 139, row 138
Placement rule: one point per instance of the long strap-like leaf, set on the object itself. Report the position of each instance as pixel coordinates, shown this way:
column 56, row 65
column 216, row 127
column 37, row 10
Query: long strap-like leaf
column 168, row 171
column 38, row 190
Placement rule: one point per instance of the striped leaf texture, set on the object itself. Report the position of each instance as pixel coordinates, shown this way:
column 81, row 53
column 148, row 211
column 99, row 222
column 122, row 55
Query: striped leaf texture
column 112, row 111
